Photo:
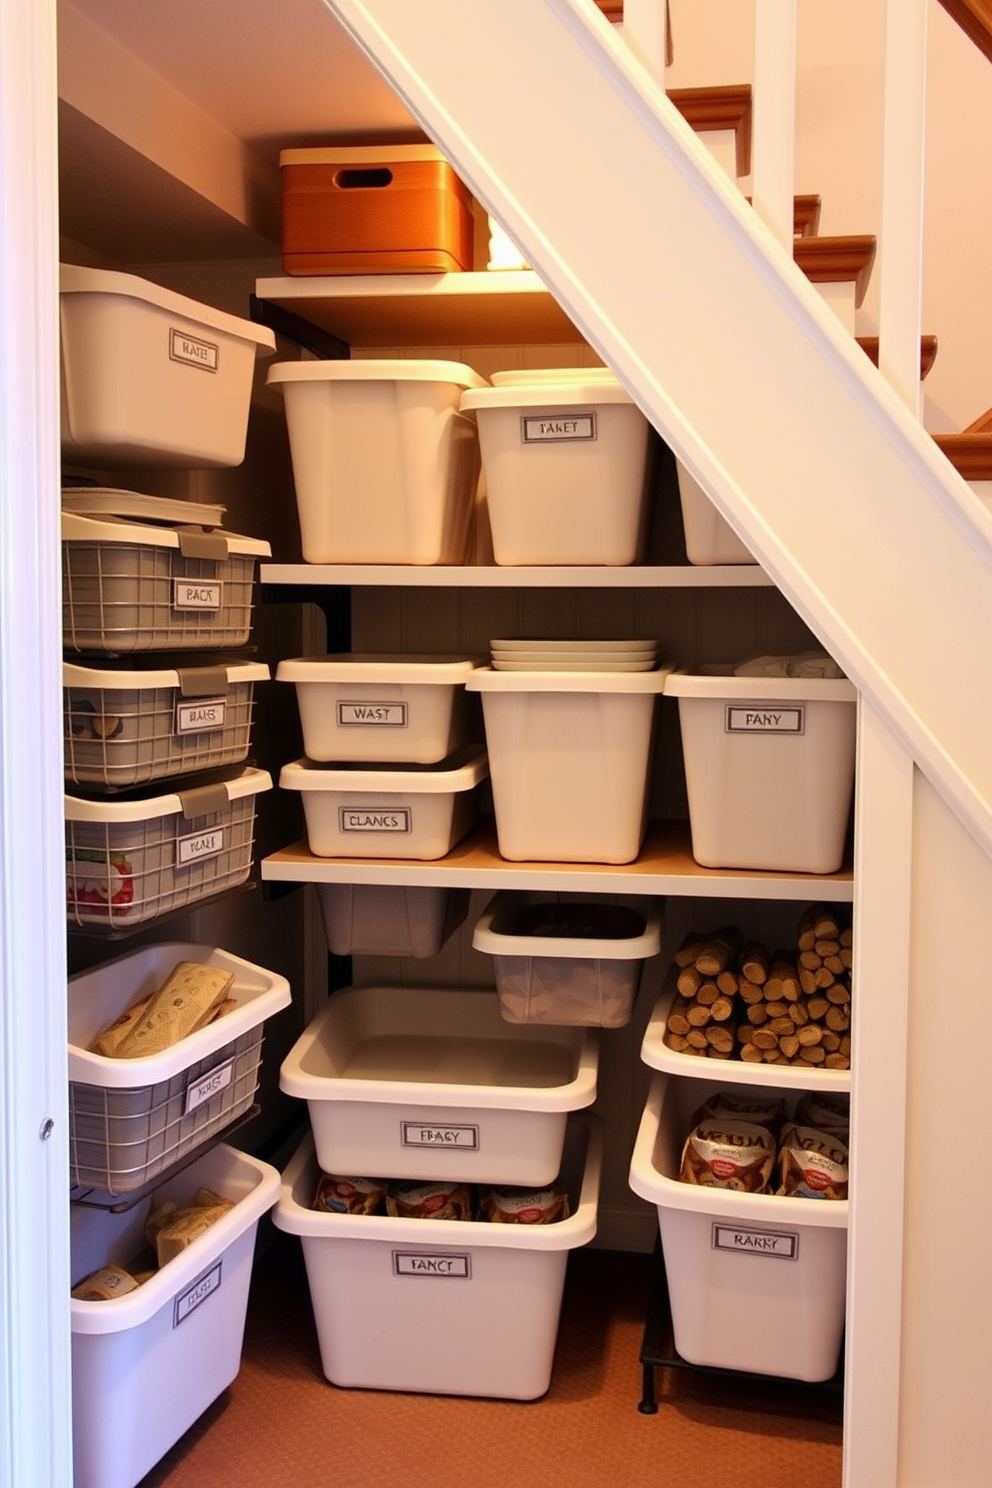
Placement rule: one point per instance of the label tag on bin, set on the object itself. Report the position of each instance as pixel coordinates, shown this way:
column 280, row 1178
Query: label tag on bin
column 422, row 1134
column 207, row 1086
column 764, row 718
column 201, row 716
column 199, row 846
column 193, row 351
column 780, row 1245
column 198, row 1291
column 447, row 1267
column 390, row 715
column 195, row 594
column 375, row 819
column 551, row 428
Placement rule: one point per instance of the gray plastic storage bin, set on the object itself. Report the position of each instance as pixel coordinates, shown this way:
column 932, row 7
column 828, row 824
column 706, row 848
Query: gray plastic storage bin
column 390, row 919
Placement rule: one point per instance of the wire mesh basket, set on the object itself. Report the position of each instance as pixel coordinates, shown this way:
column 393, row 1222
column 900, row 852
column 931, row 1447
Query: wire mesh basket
column 128, row 728
column 130, row 861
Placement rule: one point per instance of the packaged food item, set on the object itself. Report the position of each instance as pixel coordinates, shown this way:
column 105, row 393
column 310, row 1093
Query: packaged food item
column 826, row 1110
column 172, row 1232
column 812, row 1164
column 109, row 1041
column 337, row 1195
column 186, row 1001
column 760, row 1110
column 725, row 1153
column 416, row 1200
column 104, row 1285
column 512, row 1205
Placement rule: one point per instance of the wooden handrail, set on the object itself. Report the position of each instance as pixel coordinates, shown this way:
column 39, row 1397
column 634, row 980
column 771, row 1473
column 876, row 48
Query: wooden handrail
column 975, row 19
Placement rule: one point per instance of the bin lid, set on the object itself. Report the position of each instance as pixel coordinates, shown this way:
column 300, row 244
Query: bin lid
column 548, row 395
column 485, row 679
column 108, row 501
column 374, row 369
column 361, row 666
column 761, row 689
column 459, row 772
column 226, row 673
column 74, row 279
column 101, row 529
column 359, row 154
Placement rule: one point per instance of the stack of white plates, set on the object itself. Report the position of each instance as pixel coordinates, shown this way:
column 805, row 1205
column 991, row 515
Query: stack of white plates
column 574, row 656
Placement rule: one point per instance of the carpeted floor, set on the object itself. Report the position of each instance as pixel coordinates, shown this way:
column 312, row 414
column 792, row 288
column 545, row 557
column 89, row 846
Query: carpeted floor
column 281, row 1425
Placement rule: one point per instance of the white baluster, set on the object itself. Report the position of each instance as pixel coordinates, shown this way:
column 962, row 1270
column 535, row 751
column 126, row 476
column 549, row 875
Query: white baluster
column 900, row 260
column 773, row 140
column 645, row 24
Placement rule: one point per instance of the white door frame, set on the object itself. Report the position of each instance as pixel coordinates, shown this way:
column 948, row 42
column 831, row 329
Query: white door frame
column 35, row 1395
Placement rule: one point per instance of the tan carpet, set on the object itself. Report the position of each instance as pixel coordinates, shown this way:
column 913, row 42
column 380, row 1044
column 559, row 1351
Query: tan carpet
column 281, row 1425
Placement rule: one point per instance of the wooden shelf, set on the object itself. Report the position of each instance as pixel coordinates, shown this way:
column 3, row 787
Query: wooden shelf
column 436, row 576
column 665, row 866
column 498, row 308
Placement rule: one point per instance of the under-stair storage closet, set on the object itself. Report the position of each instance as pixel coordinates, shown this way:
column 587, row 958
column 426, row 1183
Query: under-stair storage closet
column 559, row 648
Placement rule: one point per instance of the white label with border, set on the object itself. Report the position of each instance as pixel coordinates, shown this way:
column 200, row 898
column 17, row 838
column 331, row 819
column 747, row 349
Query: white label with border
column 779, row 1245
column 194, row 594
column 765, row 718
column 552, row 428
column 198, row 846
column 364, row 715
column 193, row 351
column 201, row 716
column 426, row 1134
column 448, row 1267
column 375, row 819
column 198, row 1291
column 203, row 1089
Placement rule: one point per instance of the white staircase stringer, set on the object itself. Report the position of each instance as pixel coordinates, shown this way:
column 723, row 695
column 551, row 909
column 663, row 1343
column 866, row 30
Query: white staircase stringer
column 678, row 285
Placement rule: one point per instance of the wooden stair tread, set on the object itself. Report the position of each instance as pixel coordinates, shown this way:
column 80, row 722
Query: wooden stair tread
column 727, row 106
column 928, row 351
column 981, row 425
column 969, row 453
column 805, row 215
column 834, row 260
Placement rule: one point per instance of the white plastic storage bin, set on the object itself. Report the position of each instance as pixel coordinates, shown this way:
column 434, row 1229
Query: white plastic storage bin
column 141, row 586
column 131, row 1119
column 387, row 811
column 151, row 377
column 388, row 709
column 769, row 766
column 709, row 537
column 146, row 1365
column 129, row 727
column 128, row 861
column 417, row 1082
column 390, row 919
column 567, row 470
column 756, row 1281
column 385, row 466
column 569, row 754
column 568, row 958
column 445, row 1307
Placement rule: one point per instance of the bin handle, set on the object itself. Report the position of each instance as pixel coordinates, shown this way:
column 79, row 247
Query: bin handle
column 204, row 681
column 204, row 800
column 195, row 543
column 356, row 177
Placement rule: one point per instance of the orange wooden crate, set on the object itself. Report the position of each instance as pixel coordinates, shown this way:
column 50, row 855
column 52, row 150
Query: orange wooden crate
column 375, row 209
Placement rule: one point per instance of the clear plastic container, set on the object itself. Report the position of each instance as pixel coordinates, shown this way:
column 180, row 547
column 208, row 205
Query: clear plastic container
column 390, row 919
column 568, row 958
column 433, row 1305
column 422, row 1082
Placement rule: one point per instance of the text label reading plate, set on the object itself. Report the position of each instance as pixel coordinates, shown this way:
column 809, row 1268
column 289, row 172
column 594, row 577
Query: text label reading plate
column 781, row 1245
column 198, row 846
column 197, row 1292
column 392, row 715
column 771, row 718
column 201, row 717
column 375, row 819
column 421, row 1134
column 195, row 353
column 552, row 429
column 447, row 1267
